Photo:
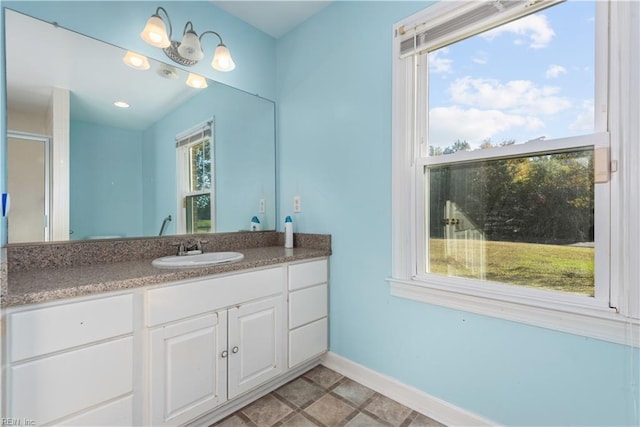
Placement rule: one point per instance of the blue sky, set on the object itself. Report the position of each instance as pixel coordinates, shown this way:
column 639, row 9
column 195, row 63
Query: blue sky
column 533, row 77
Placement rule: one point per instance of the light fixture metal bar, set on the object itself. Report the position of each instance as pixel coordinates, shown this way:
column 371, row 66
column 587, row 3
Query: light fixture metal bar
column 172, row 52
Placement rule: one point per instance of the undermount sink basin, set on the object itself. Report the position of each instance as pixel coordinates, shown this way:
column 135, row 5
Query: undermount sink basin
column 200, row 260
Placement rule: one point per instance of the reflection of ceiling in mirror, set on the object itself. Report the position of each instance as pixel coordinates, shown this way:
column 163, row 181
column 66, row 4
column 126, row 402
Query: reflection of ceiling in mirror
column 40, row 56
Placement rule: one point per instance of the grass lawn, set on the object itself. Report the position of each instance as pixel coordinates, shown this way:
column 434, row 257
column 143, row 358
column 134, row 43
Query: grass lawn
column 551, row 267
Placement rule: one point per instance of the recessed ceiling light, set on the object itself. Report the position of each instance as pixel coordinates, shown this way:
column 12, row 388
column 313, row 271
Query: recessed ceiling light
column 121, row 104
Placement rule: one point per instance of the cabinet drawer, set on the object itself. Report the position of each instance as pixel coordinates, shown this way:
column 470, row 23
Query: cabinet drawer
column 307, row 305
column 307, row 341
column 307, row 274
column 45, row 330
column 57, row 386
column 182, row 300
column 116, row 413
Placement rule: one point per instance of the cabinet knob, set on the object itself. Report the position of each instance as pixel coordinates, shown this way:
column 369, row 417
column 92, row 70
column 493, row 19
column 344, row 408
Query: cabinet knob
column 224, row 354
column 234, row 349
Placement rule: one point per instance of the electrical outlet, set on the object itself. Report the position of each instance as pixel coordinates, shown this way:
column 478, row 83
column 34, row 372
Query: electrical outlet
column 261, row 206
column 297, row 206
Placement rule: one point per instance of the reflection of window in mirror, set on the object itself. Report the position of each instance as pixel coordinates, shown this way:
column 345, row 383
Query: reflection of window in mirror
column 194, row 153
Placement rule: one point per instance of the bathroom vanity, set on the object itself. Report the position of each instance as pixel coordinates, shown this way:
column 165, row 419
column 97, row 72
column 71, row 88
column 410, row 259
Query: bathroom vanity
column 177, row 351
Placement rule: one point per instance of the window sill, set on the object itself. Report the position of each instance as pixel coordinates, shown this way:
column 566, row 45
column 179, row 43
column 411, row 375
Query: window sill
column 584, row 320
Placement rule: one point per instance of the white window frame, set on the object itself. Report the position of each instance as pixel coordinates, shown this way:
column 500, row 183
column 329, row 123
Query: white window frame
column 615, row 126
column 184, row 141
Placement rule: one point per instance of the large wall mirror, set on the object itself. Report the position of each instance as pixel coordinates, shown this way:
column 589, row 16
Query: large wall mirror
column 81, row 168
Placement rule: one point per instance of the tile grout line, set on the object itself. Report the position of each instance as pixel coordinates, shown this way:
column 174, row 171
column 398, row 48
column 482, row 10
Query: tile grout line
column 321, row 383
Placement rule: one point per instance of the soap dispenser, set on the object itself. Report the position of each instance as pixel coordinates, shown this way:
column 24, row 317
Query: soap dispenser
column 255, row 224
column 288, row 233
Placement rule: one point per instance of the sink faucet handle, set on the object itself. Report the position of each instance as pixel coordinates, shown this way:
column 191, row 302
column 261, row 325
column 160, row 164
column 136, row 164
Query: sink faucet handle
column 199, row 244
column 181, row 248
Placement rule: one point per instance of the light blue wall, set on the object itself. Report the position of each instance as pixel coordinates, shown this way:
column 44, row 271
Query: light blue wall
column 334, row 95
column 104, row 169
column 244, row 158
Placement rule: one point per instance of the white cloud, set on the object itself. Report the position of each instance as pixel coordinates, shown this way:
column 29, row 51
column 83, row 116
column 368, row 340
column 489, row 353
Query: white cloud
column 515, row 96
column 449, row 124
column 584, row 119
column 554, row 71
column 490, row 109
column 535, row 27
column 480, row 57
column 438, row 64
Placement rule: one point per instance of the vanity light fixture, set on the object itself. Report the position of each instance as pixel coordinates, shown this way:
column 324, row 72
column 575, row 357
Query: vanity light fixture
column 188, row 51
column 196, row 81
column 137, row 61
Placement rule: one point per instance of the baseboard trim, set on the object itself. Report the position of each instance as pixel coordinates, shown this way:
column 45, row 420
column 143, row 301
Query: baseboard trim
column 418, row 400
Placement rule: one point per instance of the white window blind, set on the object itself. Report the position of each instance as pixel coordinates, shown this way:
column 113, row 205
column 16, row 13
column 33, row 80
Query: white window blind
column 464, row 20
column 195, row 134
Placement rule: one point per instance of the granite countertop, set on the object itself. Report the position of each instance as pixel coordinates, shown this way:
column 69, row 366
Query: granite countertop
column 48, row 284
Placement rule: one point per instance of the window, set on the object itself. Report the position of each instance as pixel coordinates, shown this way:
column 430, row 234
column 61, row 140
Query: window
column 503, row 203
column 525, row 221
column 194, row 150
column 502, row 179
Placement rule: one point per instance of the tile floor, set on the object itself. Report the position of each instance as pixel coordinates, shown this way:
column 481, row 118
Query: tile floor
column 324, row 398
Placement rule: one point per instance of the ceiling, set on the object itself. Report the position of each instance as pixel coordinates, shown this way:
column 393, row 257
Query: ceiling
column 275, row 18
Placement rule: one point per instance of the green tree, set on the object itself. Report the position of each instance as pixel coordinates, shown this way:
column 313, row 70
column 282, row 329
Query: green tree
column 538, row 199
column 457, row 146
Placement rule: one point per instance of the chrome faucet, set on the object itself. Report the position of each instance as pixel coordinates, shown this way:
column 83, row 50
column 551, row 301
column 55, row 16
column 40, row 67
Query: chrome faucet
column 164, row 224
column 190, row 248
column 197, row 246
column 182, row 250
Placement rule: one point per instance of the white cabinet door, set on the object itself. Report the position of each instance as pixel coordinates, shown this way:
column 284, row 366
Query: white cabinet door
column 188, row 374
column 256, row 344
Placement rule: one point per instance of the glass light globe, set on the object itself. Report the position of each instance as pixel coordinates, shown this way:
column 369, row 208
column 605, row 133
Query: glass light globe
column 222, row 60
